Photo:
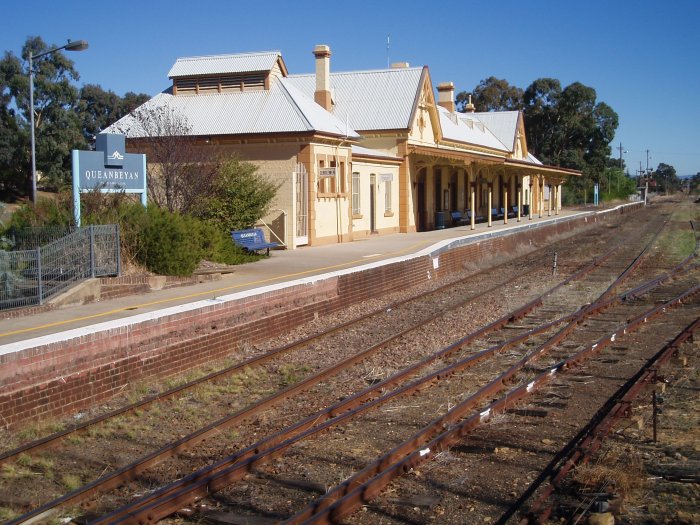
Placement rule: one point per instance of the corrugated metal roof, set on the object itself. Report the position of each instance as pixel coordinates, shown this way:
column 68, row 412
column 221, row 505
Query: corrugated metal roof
column 371, row 100
column 218, row 64
column 533, row 160
column 282, row 109
column 503, row 124
column 359, row 150
column 464, row 128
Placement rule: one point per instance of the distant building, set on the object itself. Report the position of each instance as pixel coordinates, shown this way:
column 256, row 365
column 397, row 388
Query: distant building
column 357, row 153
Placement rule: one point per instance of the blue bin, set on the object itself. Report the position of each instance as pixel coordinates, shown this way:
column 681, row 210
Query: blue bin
column 440, row 220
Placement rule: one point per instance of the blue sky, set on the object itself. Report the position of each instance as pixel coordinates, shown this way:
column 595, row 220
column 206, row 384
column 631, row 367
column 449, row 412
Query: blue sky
column 642, row 57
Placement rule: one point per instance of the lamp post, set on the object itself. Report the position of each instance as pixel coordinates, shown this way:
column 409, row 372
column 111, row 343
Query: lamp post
column 78, row 45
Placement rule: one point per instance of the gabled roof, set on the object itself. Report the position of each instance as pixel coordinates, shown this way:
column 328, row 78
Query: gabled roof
column 465, row 128
column 281, row 109
column 503, row 124
column 377, row 154
column 222, row 64
column 534, row 160
column 372, row 100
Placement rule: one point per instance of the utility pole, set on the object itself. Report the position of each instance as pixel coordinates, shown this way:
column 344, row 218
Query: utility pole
column 648, row 160
column 621, row 149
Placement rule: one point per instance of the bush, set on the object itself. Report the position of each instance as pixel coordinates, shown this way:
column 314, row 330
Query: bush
column 170, row 243
column 241, row 196
column 162, row 242
column 217, row 246
column 173, row 244
column 47, row 212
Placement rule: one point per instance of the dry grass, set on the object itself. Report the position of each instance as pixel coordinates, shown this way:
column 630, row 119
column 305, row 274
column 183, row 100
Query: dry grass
column 617, row 469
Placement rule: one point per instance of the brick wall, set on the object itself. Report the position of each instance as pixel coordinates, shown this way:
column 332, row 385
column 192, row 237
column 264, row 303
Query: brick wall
column 68, row 376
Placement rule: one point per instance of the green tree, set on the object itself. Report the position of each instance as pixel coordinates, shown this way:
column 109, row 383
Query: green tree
column 695, row 183
column 14, row 172
column 540, row 101
column 667, row 180
column 99, row 108
column 564, row 127
column 569, row 128
column 65, row 118
column 241, row 196
column 492, row 94
column 56, row 122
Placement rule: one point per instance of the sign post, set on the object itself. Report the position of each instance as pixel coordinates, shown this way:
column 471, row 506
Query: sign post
column 595, row 194
column 109, row 169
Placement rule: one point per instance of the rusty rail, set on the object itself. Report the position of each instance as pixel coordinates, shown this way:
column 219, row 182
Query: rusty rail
column 172, row 497
column 131, row 471
column 53, row 439
column 357, row 490
column 589, row 441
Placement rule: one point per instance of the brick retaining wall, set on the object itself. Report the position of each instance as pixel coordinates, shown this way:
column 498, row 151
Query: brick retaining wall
column 68, row 376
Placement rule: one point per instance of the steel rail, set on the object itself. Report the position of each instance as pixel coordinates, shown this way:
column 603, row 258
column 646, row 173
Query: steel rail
column 54, row 438
column 231, row 462
column 131, row 471
column 588, row 442
column 370, row 481
column 206, row 480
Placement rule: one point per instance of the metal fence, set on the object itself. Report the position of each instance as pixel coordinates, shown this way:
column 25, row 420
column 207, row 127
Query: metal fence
column 29, row 277
column 16, row 239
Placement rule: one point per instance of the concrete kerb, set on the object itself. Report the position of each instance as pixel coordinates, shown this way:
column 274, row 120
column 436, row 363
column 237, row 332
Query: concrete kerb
column 432, row 251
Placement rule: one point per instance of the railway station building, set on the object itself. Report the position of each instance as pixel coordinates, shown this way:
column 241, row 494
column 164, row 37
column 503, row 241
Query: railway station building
column 356, row 153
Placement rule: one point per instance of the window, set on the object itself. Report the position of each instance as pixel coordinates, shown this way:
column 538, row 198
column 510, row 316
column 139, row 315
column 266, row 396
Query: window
column 333, row 181
column 342, row 185
column 332, row 178
column 356, row 194
column 387, row 196
column 322, row 181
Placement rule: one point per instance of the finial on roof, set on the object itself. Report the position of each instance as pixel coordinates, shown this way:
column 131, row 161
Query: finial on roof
column 470, row 108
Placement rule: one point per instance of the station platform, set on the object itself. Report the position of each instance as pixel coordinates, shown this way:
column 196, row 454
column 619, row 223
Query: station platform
column 281, row 268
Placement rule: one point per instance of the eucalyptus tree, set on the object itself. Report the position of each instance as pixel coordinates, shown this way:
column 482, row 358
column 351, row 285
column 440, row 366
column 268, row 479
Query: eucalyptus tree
column 57, row 124
column 66, row 117
column 492, row 94
column 565, row 127
column 99, row 108
column 666, row 178
column 14, row 170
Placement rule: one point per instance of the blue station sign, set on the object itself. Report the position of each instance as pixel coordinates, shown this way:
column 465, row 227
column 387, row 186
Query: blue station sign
column 109, row 169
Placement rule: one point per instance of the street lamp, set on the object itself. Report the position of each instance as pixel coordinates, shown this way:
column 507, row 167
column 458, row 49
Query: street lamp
column 78, row 45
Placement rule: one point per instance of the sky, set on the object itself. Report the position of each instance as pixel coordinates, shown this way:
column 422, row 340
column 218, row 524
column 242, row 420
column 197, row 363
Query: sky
column 642, row 57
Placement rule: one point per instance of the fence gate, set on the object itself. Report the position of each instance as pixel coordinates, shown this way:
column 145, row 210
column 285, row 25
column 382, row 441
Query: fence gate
column 301, row 191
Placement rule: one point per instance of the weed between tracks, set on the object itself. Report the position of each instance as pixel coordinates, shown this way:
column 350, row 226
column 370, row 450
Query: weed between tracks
column 618, row 470
column 290, row 374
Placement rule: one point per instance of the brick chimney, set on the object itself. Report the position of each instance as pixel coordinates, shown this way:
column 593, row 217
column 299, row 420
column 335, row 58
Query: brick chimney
column 446, row 96
column 322, row 96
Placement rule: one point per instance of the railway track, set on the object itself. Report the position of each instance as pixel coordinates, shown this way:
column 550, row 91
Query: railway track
column 580, row 449
column 537, row 313
column 147, row 511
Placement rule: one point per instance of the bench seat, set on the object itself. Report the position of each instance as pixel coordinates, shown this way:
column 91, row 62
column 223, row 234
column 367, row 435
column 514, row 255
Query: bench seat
column 252, row 240
column 457, row 217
